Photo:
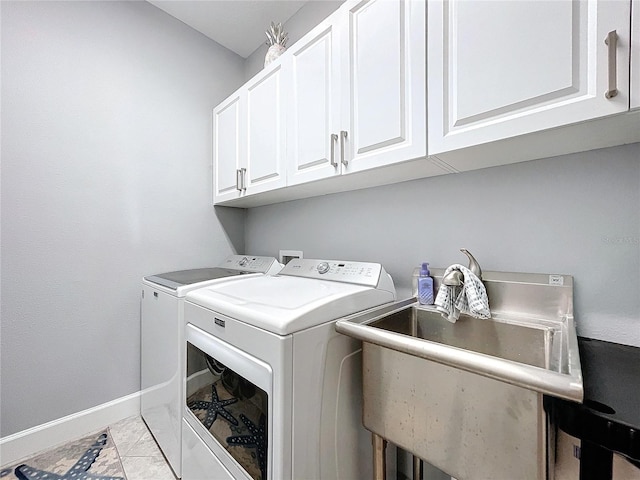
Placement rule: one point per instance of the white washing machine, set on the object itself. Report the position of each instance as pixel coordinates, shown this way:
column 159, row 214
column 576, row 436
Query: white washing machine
column 162, row 334
column 272, row 391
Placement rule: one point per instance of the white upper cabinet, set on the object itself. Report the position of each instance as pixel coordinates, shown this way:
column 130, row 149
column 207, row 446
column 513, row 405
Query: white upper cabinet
column 383, row 83
column 635, row 54
column 358, row 90
column 499, row 69
column 384, row 91
column 227, row 148
column 266, row 134
column 249, row 138
column 313, row 97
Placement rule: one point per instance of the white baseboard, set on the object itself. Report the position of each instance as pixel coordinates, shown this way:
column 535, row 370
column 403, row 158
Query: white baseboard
column 24, row 444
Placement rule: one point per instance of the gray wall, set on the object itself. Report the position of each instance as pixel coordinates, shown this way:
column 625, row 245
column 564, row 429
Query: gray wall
column 576, row 214
column 310, row 15
column 106, row 153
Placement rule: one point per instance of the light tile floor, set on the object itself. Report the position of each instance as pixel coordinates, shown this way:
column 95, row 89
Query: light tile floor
column 141, row 457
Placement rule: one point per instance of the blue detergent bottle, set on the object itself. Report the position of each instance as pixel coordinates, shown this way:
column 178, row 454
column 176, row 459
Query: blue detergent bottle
column 425, row 286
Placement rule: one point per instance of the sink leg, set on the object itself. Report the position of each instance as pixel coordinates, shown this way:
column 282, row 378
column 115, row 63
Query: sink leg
column 417, row 468
column 596, row 462
column 379, row 457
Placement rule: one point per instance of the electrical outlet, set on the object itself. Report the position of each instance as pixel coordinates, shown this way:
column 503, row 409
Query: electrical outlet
column 287, row 255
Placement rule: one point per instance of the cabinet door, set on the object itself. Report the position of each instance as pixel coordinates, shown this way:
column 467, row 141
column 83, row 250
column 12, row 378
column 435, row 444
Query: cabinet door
column 313, row 96
column 498, row 69
column 635, row 54
column 384, row 85
column 265, row 135
column 227, row 148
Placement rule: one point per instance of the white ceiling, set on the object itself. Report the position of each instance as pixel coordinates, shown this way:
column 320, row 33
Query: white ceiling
column 238, row 25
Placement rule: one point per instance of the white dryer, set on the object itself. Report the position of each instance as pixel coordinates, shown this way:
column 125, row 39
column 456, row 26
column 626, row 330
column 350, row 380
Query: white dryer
column 162, row 333
column 272, row 390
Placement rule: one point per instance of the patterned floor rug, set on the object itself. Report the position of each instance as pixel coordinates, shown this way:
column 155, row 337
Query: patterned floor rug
column 93, row 457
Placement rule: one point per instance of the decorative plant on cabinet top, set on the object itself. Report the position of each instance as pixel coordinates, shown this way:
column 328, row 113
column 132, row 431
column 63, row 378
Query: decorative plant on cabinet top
column 277, row 42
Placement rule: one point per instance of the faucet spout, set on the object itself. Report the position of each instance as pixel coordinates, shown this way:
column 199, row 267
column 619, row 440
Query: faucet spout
column 474, row 266
column 455, row 278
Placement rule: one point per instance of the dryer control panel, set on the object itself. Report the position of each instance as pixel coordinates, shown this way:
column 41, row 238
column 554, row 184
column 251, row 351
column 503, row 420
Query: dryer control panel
column 360, row 273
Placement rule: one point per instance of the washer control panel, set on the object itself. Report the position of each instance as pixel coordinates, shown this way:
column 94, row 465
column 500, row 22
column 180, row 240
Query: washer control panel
column 360, row 273
column 252, row 264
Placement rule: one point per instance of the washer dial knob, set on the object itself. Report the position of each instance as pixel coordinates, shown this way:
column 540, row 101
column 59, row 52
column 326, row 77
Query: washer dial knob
column 244, row 261
column 323, row 267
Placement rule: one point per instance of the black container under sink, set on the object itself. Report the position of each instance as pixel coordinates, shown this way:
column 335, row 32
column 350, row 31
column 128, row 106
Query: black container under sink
column 609, row 419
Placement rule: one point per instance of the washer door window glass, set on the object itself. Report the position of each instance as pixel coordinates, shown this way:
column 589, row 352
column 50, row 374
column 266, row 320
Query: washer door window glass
column 231, row 408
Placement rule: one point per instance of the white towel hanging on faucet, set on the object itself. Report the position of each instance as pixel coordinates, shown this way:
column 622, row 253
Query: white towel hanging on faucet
column 469, row 298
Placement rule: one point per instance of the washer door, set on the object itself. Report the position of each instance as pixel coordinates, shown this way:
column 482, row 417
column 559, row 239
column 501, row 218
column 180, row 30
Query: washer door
column 227, row 392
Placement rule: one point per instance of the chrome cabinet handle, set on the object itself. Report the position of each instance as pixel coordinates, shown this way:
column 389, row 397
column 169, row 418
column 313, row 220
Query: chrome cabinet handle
column 243, row 176
column 612, row 42
column 343, row 135
column 334, row 139
column 238, row 180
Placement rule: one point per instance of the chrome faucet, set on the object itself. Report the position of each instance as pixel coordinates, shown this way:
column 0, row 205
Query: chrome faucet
column 454, row 278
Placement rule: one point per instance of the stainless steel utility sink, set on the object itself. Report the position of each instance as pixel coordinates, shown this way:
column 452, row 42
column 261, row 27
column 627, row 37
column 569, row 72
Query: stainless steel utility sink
column 535, row 353
column 528, row 344
column 468, row 396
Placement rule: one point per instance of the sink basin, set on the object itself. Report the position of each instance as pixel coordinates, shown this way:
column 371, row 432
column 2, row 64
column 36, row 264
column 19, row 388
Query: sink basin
column 468, row 396
column 528, row 344
column 538, row 354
